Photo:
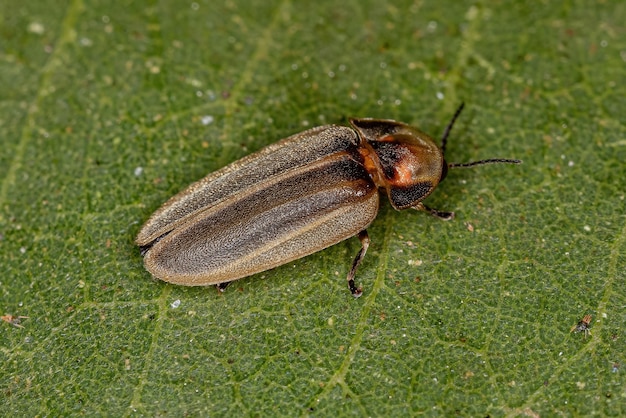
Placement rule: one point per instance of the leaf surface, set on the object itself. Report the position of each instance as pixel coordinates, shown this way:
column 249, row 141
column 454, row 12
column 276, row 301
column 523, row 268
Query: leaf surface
column 108, row 110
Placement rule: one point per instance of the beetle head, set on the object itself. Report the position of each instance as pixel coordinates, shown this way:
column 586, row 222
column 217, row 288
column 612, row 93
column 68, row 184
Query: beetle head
column 401, row 159
column 405, row 161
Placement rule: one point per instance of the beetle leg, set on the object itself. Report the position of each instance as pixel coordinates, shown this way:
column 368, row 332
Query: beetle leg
column 221, row 287
column 365, row 243
column 444, row 216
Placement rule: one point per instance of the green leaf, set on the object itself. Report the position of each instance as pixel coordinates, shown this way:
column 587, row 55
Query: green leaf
column 108, row 109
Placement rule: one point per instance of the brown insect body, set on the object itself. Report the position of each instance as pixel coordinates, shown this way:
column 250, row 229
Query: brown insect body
column 291, row 199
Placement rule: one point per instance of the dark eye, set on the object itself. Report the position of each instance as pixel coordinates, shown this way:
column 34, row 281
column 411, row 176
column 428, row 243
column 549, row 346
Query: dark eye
column 444, row 171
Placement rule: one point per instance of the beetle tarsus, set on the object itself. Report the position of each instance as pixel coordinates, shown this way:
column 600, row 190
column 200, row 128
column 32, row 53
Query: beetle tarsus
column 221, row 287
column 356, row 291
column 365, row 243
column 444, row 216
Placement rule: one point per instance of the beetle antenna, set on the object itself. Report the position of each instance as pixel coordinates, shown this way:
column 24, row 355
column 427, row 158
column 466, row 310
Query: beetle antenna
column 444, row 137
column 483, row 162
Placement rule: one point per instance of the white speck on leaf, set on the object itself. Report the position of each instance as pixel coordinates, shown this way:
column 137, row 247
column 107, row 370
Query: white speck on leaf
column 36, row 28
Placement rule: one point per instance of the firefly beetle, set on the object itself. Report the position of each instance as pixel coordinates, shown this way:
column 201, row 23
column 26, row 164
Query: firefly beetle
column 293, row 198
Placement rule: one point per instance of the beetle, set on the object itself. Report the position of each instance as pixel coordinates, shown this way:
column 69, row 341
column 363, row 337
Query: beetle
column 293, row 198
